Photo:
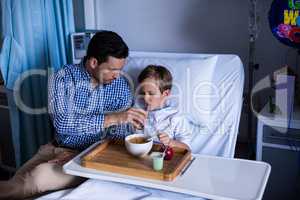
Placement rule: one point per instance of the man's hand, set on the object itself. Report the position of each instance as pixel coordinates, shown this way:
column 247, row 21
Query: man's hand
column 164, row 138
column 135, row 116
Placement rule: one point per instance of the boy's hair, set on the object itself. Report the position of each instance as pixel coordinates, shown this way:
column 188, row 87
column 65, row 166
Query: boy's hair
column 160, row 74
column 104, row 44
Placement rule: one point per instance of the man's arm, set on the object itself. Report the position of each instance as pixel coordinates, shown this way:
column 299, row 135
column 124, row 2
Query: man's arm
column 65, row 115
column 75, row 129
column 134, row 116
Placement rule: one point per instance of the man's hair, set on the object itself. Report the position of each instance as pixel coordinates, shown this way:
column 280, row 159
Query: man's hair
column 104, row 44
column 160, row 74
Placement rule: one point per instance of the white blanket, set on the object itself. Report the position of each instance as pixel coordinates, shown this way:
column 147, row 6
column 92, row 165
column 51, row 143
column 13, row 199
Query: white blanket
column 97, row 189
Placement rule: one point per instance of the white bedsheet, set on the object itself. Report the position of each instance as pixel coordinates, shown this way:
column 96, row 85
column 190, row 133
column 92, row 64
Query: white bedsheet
column 215, row 114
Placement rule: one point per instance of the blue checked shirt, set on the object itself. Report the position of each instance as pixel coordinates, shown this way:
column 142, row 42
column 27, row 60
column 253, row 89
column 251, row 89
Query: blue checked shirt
column 78, row 110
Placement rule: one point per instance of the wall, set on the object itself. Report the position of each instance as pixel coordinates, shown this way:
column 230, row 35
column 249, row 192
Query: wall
column 197, row 26
column 270, row 53
column 179, row 26
column 78, row 14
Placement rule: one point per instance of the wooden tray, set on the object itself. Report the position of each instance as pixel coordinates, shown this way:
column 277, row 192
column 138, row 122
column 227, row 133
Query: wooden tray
column 112, row 156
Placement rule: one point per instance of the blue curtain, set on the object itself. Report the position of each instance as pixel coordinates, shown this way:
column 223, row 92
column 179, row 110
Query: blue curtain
column 35, row 42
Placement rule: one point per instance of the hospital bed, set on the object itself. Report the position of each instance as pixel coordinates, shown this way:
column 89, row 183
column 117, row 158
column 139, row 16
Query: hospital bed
column 207, row 89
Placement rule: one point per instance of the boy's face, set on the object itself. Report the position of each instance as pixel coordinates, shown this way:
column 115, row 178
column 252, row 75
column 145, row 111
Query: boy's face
column 151, row 94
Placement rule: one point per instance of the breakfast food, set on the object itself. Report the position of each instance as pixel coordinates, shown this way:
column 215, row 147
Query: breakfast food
column 138, row 145
column 138, row 140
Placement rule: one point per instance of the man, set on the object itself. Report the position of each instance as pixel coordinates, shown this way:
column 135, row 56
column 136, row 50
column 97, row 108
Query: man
column 85, row 101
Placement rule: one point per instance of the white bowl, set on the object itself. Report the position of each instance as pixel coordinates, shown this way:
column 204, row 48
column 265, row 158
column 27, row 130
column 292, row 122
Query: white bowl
column 138, row 150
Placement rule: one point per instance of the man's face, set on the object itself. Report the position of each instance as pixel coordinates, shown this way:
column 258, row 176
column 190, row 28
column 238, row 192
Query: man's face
column 110, row 70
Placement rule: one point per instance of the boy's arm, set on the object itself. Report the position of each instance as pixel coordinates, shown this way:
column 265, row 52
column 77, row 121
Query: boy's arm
column 182, row 131
column 179, row 144
column 167, row 141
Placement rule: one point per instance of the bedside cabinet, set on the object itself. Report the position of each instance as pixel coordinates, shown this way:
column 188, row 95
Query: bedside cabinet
column 278, row 143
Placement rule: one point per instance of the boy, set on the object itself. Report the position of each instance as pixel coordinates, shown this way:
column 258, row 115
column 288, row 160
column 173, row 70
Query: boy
column 155, row 86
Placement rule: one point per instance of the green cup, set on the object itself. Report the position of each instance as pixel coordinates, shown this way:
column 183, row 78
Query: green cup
column 157, row 161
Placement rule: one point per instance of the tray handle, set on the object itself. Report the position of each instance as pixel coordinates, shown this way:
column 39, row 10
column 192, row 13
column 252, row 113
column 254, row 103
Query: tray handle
column 187, row 166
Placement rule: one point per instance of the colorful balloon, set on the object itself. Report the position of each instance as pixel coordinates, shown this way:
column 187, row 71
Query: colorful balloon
column 284, row 20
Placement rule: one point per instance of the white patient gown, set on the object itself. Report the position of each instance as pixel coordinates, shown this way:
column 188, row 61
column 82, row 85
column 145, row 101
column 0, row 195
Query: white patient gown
column 168, row 120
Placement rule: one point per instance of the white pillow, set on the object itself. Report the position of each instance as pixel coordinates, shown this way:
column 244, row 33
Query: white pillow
column 193, row 91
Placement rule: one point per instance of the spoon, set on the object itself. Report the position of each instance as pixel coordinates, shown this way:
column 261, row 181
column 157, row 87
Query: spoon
column 152, row 137
column 166, row 147
column 164, row 152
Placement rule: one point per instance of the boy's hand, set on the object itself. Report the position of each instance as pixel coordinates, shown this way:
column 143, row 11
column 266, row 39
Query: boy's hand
column 164, row 138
